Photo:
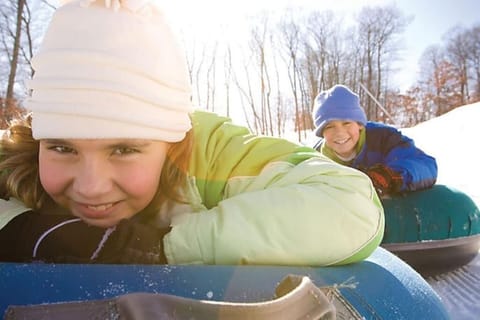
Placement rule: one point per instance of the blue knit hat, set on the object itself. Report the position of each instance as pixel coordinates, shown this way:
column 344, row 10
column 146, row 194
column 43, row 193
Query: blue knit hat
column 337, row 103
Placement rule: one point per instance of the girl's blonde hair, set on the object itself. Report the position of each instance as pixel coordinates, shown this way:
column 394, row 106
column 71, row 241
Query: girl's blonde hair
column 19, row 176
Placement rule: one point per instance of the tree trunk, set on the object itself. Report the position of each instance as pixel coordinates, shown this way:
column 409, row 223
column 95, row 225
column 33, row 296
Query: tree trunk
column 16, row 50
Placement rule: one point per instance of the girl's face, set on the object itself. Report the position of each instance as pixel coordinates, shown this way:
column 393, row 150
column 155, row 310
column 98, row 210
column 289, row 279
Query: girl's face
column 342, row 136
column 102, row 181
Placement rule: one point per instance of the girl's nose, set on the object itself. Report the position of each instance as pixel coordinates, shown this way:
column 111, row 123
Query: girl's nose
column 92, row 179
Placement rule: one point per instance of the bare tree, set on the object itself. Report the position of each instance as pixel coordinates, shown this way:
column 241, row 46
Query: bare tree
column 323, row 30
column 323, row 60
column 22, row 24
column 247, row 97
column 474, row 59
column 289, row 38
column 458, row 51
column 211, row 79
column 442, row 81
column 197, row 71
column 378, row 28
column 228, row 70
column 257, row 74
column 16, row 35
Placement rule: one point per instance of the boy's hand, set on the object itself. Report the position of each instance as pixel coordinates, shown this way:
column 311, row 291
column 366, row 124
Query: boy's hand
column 384, row 179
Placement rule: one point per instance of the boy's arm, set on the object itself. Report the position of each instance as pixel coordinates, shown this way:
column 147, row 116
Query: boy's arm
column 417, row 169
column 394, row 162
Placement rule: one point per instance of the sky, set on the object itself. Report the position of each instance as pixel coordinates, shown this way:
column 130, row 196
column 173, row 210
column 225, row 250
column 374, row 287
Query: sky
column 431, row 19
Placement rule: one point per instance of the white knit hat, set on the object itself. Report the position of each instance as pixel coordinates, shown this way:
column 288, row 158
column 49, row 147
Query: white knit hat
column 110, row 69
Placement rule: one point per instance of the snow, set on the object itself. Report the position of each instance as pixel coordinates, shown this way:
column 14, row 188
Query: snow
column 453, row 139
column 459, row 291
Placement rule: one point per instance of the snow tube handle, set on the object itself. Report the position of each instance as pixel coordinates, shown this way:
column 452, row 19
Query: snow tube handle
column 296, row 297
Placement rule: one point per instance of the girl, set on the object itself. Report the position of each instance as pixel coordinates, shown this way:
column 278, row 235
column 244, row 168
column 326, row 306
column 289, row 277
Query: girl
column 114, row 165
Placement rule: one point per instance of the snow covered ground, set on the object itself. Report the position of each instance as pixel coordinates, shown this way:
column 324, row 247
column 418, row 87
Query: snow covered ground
column 453, row 139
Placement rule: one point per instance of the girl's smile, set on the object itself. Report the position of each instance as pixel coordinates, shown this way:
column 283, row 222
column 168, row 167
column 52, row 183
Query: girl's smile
column 102, row 181
column 95, row 211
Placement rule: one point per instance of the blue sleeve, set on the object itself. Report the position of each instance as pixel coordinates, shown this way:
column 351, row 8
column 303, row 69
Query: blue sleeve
column 389, row 146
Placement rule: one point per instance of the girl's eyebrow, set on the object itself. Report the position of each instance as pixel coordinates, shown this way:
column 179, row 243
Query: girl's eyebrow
column 56, row 141
column 130, row 142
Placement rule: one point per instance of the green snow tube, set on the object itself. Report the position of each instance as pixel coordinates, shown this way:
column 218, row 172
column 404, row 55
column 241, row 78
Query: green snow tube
column 434, row 230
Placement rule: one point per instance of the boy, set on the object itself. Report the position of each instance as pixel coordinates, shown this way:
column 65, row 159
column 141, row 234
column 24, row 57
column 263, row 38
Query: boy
column 390, row 159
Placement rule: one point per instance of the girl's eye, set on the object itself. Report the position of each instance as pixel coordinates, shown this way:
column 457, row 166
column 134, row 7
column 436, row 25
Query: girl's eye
column 124, row 150
column 61, row 149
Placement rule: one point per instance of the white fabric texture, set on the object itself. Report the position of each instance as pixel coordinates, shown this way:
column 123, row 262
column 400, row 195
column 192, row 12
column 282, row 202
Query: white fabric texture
column 110, row 70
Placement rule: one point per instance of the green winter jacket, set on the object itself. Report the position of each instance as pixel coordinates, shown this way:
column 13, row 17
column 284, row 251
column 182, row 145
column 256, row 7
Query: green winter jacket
column 263, row 200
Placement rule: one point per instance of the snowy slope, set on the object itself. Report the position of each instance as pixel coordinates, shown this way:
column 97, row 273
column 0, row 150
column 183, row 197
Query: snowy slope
column 460, row 291
column 453, row 139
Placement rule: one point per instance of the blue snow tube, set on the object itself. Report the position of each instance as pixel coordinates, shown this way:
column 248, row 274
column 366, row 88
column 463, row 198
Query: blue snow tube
column 381, row 287
column 434, row 230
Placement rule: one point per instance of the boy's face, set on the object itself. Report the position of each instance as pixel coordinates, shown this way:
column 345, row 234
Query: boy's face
column 102, row 181
column 342, row 136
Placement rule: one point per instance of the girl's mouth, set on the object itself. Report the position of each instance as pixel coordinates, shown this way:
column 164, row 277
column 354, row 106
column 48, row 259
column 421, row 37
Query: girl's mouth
column 101, row 207
column 95, row 211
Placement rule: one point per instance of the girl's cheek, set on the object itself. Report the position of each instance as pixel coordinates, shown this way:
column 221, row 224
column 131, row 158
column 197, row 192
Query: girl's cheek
column 140, row 183
column 51, row 178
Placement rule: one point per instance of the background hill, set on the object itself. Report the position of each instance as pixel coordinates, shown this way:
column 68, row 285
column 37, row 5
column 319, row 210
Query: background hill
column 453, row 139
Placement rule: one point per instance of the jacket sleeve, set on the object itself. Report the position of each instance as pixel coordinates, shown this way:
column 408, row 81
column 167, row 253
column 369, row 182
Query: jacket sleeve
column 269, row 201
column 418, row 170
column 10, row 209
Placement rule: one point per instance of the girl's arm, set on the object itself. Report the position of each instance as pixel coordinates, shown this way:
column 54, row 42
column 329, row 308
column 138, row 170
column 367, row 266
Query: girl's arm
column 269, row 201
